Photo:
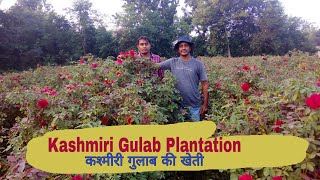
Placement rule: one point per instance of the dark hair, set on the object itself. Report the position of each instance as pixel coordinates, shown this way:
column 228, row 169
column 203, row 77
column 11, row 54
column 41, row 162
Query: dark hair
column 143, row 38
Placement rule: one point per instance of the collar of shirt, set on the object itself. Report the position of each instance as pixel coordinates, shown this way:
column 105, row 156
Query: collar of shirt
column 150, row 57
column 153, row 57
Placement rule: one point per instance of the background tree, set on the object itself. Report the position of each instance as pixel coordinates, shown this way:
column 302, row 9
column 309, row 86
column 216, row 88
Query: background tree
column 317, row 34
column 246, row 27
column 82, row 14
column 106, row 44
column 155, row 19
column 227, row 26
column 31, row 34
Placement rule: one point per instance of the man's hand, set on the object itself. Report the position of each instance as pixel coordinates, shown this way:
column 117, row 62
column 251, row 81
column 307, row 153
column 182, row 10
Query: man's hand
column 151, row 65
column 203, row 109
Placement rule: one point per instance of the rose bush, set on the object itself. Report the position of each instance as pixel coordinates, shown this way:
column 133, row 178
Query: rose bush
column 248, row 96
column 90, row 93
column 282, row 99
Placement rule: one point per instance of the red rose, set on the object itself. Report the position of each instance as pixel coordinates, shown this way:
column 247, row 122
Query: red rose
column 107, row 83
column 245, row 87
column 43, row 123
column 131, row 52
column 245, row 177
column 77, row 177
column 218, row 85
column 43, row 103
column 82, row 61
column 53, row 93
column 70, row 87
column 89, row 176
column 118, row 73
column 313, row 101
column 278, row 122
column 254, row 67
column 88, row 84
column 247, row 101
column 119, row 61
column 94, row 65
column 104, row 120
column 264, row 58
column 277, row 178
column 46, row 89
column 129, row 120
column 245, row 68
column 277, row 127
column 318, row 83
column 140, row 81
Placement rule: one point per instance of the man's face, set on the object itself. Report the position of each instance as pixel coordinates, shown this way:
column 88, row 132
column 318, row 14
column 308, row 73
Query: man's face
column 143, row 46
column 184, row 49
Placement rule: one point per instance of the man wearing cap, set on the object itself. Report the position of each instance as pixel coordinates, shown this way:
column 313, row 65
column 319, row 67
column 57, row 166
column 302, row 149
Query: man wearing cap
column 189, row 72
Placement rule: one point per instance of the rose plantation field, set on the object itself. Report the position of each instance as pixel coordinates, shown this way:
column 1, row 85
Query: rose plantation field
column 247, row 96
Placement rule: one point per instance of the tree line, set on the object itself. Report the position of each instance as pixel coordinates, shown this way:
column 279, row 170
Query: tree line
column 32, row 33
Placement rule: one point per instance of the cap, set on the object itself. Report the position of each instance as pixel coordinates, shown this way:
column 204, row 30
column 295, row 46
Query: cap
column 183, row 39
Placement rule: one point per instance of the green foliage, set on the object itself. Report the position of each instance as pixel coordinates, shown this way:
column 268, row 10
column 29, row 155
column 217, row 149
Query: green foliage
column 247, row 27
column 32, row 33
column 33, row 36
column 279, row 88
column 317, row 37
column 154, row 19
column 81, row 96
column 83, row 15
column 127, row 93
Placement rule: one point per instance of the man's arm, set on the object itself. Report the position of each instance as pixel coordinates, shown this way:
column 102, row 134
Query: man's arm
column 205, row 93
column 165, row 65
column 152, row 65
column 157, row 66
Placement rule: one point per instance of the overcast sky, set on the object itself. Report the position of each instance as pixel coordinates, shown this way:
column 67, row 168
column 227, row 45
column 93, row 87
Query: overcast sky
column 307, row 9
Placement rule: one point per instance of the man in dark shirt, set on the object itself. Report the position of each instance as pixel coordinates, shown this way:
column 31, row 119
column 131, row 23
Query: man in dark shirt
column 189, row 72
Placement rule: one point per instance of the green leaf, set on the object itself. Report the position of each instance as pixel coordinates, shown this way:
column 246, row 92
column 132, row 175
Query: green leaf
column 310, row 167
column 272, row 172
column 307, row 111
column 295, row 96
column 234, row 176
column 312, row 155
column 266, row 172
column 316, row 142
column 31, row 96
column 278, row 172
